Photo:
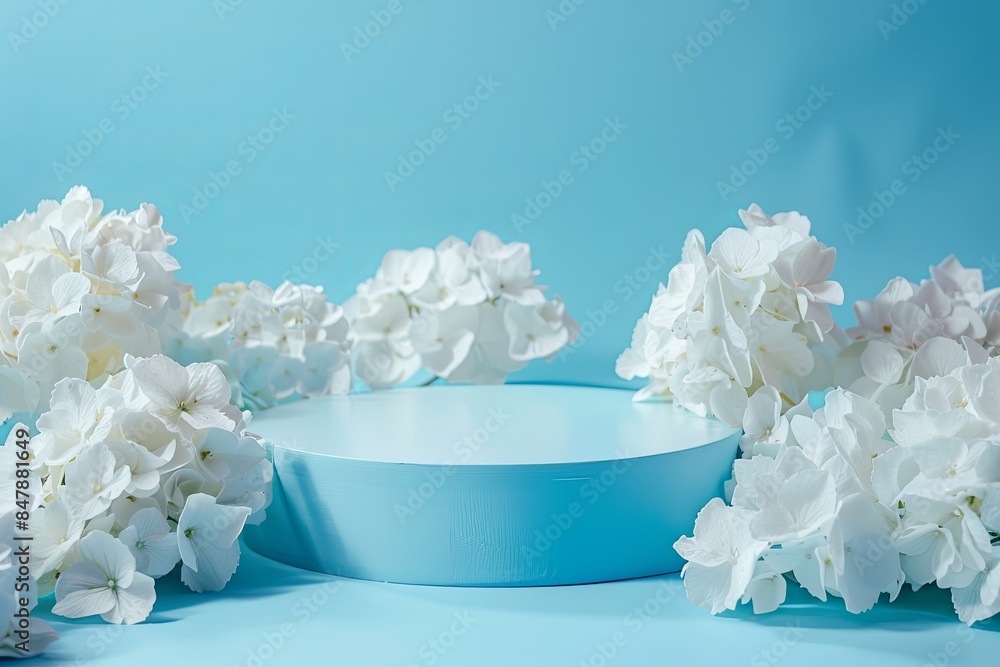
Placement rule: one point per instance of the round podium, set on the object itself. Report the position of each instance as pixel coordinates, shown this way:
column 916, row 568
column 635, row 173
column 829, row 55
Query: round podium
column 512, row 485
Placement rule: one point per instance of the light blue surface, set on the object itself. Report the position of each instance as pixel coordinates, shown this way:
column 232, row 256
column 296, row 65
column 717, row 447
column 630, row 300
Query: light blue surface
column 351, row 623
column 320, row 184
column 322, row 177
column 511, row 485
column 510, row 426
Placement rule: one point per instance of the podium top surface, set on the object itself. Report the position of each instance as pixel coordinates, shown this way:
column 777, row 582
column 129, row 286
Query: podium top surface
column 486, row 425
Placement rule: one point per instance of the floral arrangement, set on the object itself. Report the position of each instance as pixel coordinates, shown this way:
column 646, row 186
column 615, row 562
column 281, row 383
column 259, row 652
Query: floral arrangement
column 913, row 331
column 137, row 463
column 894, row 481
column 126, row 401
column 274, row 345
column 80, row 290
column 748, row 315
column 464, row 313
column 157, row 457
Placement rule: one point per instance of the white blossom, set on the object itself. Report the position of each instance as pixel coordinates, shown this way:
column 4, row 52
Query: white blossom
column 104, row 582
column 80, row 289
column 752, row 312
column 466, row 313
column 206, row 536
column 721, row 557
column 895, row 481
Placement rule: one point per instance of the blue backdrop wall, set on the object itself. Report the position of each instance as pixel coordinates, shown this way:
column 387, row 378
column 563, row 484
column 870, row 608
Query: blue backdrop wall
column 302, row 140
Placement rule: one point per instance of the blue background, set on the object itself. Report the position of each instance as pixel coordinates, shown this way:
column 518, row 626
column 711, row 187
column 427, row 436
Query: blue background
column 228, row 66
column 323, row 177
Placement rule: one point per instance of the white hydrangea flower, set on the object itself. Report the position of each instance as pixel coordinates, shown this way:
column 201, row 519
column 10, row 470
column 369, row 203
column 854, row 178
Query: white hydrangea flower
column 206, row 535
column 278, row 344
column 80, row 289
column 105, row 582
column 466, row 313
column 752, row 312
column 150, row 540
column 851, row 513
column 914, row 331
column 721, row 557
column 124, row 460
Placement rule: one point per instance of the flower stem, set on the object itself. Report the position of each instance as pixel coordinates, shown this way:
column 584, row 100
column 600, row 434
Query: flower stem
column 430, row 382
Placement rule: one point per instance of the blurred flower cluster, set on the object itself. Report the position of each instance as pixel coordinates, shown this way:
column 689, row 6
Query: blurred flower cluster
column 910, row 332
column 274, row 344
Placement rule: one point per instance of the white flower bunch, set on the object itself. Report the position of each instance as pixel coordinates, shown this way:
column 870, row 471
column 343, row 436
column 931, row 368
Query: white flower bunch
column 152, row 469
column 79, row 290
column 277, row 344
column 752, row 312
column 828, row 501
column 847, row 507
column 466, row 313
column 139, row 463
column 912, row 331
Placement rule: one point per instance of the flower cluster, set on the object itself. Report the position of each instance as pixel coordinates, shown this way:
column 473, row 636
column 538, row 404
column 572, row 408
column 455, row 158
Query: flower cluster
column 749, row 313
column 466, row 313
column 139, row 463
column 849, row 513
column 893, row 482
column 152, row 469
column 276, row 344
column 138, row 396
column 912, row 331
column 79, row 290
